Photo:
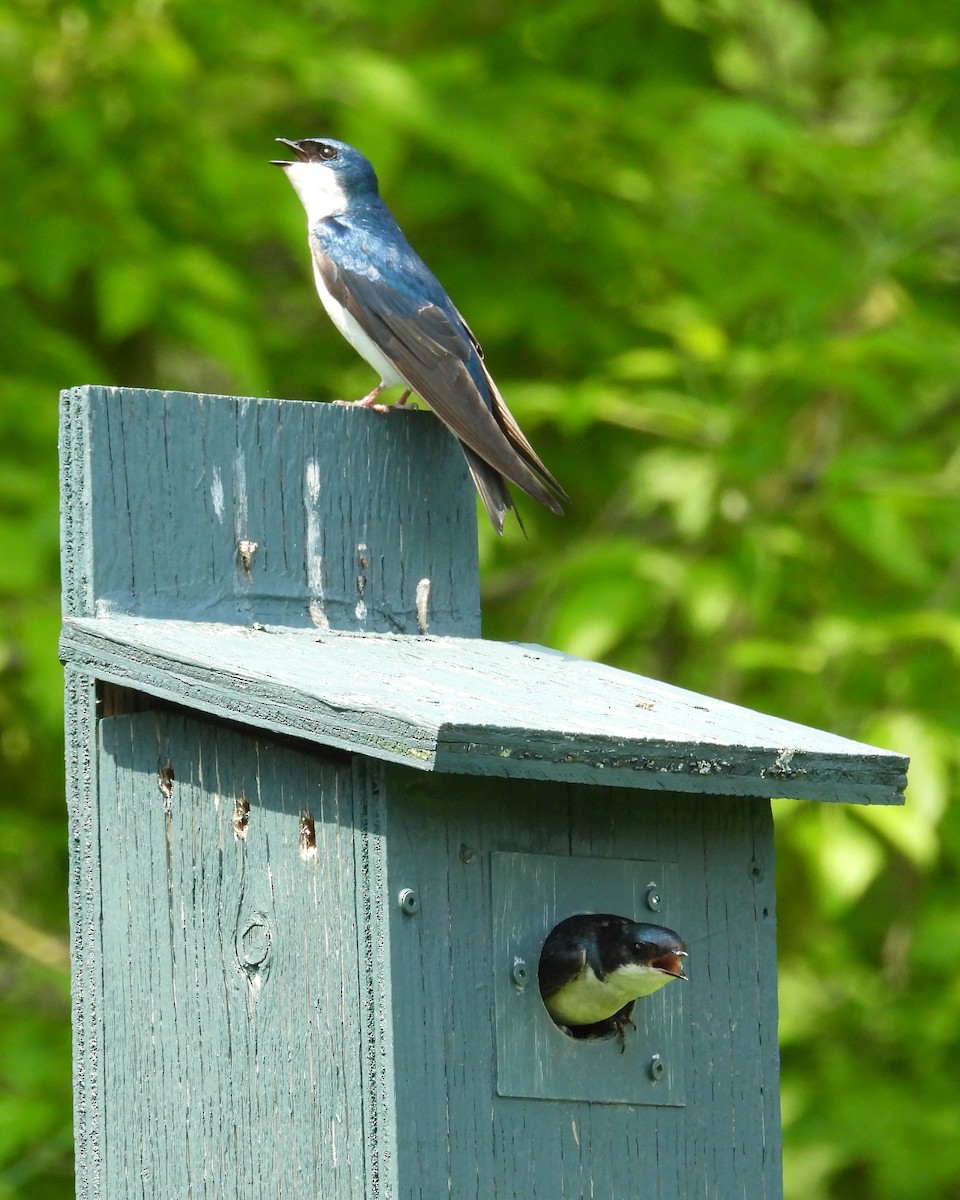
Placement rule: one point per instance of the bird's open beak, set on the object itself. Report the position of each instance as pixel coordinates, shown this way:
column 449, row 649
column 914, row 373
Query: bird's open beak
column 670, row 964
column 295, row 147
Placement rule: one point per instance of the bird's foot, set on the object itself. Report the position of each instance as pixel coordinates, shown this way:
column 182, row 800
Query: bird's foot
column 620, row 1020
column 370, row 400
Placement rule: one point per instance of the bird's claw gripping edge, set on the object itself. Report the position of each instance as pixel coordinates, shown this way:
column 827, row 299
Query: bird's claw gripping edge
column 620, row 1021
column 370, row 400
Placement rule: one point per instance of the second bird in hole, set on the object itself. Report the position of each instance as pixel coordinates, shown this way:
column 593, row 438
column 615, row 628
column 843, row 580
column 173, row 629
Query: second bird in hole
column 595, row 966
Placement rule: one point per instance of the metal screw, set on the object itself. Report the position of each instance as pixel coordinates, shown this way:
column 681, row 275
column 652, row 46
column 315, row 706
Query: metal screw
column 409, row 901
column 655, row 1068
column 519, row 973
column 653, row 898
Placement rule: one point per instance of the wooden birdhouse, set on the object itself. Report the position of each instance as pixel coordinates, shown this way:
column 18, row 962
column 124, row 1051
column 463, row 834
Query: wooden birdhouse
column 320, row 830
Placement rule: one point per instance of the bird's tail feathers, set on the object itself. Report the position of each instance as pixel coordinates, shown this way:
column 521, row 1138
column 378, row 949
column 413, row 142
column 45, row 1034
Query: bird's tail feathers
column 492, row 489
column 550, row 492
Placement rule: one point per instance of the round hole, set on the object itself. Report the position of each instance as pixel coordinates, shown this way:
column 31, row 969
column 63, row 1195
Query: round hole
column 593, row 967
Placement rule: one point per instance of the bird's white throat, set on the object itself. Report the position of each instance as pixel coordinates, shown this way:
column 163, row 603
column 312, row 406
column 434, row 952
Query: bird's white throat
column 319, row 189
column 587, row 999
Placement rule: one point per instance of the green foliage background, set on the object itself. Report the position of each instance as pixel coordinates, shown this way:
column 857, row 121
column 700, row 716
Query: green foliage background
column 712, row 249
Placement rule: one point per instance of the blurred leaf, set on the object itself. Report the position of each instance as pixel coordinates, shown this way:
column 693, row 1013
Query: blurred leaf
column 913, row 829
column 127, row 295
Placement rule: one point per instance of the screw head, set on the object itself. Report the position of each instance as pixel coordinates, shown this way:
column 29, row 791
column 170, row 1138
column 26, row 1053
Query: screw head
column 655, row 1068
column 409, row 901
column 519, row 972
column 652, row 898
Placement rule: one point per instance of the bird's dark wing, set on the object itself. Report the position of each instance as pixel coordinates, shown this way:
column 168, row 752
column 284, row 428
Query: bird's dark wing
column 561, row 960
column 438, row 358
column 583, row 939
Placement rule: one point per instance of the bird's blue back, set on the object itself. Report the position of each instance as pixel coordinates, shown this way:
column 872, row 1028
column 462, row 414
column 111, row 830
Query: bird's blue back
column 365, row 240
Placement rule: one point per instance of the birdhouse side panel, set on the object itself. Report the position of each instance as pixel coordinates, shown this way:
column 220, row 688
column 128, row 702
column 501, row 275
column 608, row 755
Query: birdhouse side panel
column 234, row 995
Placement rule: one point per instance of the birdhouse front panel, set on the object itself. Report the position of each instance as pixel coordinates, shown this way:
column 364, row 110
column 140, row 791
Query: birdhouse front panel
column 493, row 1098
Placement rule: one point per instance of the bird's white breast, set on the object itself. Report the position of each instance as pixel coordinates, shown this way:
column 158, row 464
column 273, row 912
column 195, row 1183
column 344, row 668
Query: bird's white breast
column 351, row 330
column 588, row 999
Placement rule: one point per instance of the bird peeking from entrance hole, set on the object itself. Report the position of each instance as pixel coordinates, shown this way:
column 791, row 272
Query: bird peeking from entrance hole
column 396, row 315
column 595, row 966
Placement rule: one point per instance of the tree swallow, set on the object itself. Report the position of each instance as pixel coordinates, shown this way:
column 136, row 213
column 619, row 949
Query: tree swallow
column 594, row 966
column 394, row 312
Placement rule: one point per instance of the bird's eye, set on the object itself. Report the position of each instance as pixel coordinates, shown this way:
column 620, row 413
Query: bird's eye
column 327, row 152
column 641, row 947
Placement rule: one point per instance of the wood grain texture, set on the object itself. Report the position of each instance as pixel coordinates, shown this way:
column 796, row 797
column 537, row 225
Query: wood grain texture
column 465, row 705
column 237, row 993
column 374, row 905
column 240, row 510
column 86, row 913
column 455, row 1135
column 76, row 502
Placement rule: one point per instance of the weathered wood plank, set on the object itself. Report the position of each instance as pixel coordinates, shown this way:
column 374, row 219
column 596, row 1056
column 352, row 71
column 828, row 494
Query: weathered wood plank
column 86, row 912
column 375, row 902
column 239, row 509
column 456, row 1135
column 463, row 705
column 233, row 1031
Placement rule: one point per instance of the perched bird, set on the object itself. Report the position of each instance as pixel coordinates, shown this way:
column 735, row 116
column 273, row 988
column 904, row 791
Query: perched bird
column 593, row 967
column 394, row 312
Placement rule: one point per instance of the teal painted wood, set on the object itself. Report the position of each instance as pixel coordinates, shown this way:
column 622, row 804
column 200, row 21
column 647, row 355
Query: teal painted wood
column 477, row 707
column 455, row 1135
column 243, row 510
column 531, row 894
column 245, row 1023
column 273, row 1023
column 86, row 911
column 255, row 1013
column 374, row 905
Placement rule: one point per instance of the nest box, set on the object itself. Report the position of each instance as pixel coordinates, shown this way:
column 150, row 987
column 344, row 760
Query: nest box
column 320, row 829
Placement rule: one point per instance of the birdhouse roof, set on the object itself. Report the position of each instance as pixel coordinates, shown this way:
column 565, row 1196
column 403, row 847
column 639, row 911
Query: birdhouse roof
column 477, row 707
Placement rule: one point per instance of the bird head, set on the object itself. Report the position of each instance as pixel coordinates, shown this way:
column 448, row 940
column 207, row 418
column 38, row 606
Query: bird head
column 327, row 175
column 647, row 950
